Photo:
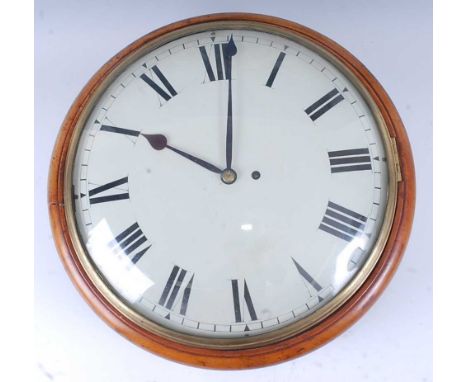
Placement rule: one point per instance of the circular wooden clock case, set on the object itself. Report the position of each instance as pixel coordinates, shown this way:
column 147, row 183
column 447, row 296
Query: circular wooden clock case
column 314, row 148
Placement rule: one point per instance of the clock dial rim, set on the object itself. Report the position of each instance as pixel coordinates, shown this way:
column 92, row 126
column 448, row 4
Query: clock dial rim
column 222, row 353
column 276, row 334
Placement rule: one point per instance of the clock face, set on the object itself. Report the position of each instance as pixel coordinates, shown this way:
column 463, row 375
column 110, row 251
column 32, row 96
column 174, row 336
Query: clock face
column 230, row 183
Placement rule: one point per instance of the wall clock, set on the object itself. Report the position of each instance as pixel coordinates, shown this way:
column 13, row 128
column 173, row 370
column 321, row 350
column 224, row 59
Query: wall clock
column 231, row 191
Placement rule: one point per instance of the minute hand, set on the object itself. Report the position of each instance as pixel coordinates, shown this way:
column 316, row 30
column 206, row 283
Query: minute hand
column 230, row 50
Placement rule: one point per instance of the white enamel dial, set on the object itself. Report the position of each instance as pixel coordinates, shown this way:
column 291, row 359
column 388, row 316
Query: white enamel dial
column 215, row 244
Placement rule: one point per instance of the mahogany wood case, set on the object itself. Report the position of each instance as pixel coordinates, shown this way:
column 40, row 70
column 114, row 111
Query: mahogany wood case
column 288, row 348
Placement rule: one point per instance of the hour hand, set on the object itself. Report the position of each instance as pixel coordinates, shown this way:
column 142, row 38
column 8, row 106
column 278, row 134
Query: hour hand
column 159, row 142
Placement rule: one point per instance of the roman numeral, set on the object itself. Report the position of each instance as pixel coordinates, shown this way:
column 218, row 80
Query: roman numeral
column 350, row 160
column 308, row 278
column 105, row 187
column 276, row 67
column 172, row 289
column 237, row 304
column 163, row 93
column 320, row 107
column 221, row 58
column 130, row 241
column 342, row 222
column 118, row 130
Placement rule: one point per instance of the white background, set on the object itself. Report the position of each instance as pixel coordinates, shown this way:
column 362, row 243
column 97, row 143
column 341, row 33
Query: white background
column 392, row 342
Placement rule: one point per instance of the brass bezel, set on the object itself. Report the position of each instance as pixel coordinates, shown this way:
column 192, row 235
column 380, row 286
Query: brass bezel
column 283, row 332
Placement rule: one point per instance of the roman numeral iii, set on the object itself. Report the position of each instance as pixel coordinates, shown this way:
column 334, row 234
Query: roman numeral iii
column 131, row 241
column 320, row 107
column 172, row 290
column 350, row 160
column 169, row 91
column 108, row 198
column 237, row 303
column 342, row 222
column 222, row 62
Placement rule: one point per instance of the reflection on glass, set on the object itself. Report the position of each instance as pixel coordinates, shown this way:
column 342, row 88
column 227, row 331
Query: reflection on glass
column 247, row 227
column 347, row 259
column 119, row 270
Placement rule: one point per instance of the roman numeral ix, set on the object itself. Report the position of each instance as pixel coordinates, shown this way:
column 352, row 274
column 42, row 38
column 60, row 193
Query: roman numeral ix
column 169, row 91
column 108, row 198
column 342, row 222
column 237, row 303
column 222, row 62
column 350, row 160
column 130, row 242
column 172, row 290
column 320, row 107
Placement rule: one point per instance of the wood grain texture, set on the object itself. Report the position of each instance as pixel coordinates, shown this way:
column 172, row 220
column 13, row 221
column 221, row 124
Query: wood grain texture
column 294, row 346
